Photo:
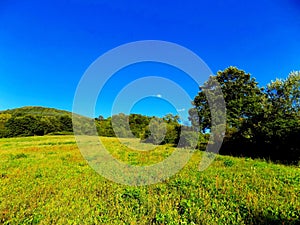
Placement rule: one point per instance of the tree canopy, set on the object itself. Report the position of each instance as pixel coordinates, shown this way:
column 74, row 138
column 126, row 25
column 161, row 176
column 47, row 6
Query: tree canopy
column 260, row 122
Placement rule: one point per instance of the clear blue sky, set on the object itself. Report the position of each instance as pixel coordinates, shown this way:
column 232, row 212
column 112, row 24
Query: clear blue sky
column 46, row 46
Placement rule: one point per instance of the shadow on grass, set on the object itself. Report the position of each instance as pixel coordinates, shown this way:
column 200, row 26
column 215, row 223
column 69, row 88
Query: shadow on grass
column 273, row 218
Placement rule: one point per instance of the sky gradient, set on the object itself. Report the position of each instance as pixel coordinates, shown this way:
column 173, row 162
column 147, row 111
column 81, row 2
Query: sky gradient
column 46, row 46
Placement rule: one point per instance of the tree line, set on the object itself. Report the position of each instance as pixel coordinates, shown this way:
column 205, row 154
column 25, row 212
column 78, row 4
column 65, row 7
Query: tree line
column 29, row 125
column 260, row 121
column 150, row 129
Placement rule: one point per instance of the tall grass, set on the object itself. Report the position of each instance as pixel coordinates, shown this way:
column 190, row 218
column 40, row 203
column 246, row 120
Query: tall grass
column 45, row 180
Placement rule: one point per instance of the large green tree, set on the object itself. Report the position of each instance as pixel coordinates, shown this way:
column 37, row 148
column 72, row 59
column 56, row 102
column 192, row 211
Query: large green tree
column 260, row 122
column 241, row 94
column 278, row 127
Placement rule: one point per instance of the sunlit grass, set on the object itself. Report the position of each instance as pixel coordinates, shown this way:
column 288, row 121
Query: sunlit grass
column 45, row 180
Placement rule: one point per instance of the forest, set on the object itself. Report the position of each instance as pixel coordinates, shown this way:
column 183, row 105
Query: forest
column 261, row 122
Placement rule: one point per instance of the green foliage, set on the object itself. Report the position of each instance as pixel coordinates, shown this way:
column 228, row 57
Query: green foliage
column 172, row 133
column 4, row 117
column 162, row 130
column 261, row 122
column 189, row 139
column 156, row 131
column 120, row 124
column 138, row 123
column 240, row 92
column 149, row 129
column 228, row 163
column 124, row 125
column 277, row 127
column 66, row 123
column 29, row 121
column 27, row 125
column 104, row 128
column 36, row 110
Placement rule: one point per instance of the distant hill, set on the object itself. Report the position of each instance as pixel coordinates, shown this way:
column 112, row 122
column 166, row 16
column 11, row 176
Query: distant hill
column 36, row 110
column 35, row 120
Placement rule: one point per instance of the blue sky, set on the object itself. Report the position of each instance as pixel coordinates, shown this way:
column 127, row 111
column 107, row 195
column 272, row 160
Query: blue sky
column 46, row 46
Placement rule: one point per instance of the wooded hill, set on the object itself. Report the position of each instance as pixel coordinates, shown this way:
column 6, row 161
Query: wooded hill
column 29, row 121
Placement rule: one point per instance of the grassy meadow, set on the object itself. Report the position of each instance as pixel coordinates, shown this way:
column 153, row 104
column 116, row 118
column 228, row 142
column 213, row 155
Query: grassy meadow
column 45, row 180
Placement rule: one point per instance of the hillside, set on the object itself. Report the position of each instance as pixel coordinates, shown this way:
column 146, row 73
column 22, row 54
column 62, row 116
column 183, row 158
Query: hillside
column 36, row 110
column 32, row 120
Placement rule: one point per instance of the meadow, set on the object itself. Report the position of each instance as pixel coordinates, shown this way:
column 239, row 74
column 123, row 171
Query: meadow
column 45, row 180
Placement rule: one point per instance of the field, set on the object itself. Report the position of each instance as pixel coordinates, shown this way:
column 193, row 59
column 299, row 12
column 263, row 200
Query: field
column 45, row 180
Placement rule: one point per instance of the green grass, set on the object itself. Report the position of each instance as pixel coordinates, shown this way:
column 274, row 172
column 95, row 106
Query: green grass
column 45, row 180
